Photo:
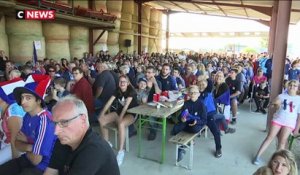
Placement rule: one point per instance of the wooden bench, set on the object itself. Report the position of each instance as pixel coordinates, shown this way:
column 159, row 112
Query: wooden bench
column 113, row 127
column 187, row 140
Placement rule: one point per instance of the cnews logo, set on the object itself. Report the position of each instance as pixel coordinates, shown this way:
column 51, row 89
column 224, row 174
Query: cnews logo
column 35, row 14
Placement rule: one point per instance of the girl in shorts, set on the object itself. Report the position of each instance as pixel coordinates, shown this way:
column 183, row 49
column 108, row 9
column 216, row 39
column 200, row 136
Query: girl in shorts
column 285, row 120
column 126, row 98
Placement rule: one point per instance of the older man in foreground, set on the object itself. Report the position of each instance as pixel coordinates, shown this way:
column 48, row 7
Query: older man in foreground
column 79, row 149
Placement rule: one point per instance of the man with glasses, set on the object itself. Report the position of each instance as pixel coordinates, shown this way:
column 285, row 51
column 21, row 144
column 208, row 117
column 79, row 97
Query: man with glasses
column 83, row 90
column 78, row 150
column 36, row 137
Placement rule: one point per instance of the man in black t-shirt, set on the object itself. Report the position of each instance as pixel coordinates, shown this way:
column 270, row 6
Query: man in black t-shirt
column 262, row 95
column 235, row 90
column 103, row 87
column 79, row 150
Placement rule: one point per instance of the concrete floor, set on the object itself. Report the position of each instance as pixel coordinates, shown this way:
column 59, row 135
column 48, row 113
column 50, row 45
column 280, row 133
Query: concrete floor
column 238, row 151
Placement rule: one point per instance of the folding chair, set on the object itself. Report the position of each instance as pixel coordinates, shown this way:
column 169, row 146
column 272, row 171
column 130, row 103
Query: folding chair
column 291, row 140
column 251, row 100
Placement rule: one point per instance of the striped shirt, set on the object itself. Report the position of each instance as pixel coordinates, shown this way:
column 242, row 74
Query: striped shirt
column 39, row 130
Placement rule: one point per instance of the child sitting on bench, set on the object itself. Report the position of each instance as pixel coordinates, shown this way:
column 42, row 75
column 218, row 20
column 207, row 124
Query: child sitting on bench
column 193, row 117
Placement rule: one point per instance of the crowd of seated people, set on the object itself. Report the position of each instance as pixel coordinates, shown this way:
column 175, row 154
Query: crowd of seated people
column 109, row 85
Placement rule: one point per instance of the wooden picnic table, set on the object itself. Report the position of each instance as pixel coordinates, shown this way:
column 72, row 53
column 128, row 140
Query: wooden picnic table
column 145, row 111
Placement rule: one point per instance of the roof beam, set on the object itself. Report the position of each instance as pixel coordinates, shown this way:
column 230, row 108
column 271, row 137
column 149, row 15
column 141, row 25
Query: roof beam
column 220, row 9
column 159, row 2
column 264, row 10
column 244, row 9
column 234, row 17
column 100, row 35
column 179, row 6
column 142, row 1
column 183, row 34
column 266, row 23
column 295, row 10
column 200, row 8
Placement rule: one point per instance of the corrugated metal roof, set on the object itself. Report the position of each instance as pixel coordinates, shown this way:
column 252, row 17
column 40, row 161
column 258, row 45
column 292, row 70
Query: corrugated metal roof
column 247, row 9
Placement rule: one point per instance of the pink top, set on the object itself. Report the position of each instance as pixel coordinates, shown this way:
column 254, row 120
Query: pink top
column 258, row 80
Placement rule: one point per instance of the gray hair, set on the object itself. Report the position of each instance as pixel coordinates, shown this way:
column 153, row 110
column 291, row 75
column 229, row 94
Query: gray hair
column 125, row 69
column 79, row 106
column 14, row 74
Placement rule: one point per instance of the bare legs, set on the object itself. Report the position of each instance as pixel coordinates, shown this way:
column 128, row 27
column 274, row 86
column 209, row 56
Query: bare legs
column 234, row 107
column 127, row 120
column 104, row 120
column 283, row 134
column 283, row 137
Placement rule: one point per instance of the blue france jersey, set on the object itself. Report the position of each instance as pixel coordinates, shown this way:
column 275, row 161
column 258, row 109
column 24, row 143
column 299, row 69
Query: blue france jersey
column 39, row 131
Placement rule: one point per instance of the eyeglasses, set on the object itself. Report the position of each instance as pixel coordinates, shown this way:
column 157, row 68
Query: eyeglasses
column 65, row 123
column 51, row 71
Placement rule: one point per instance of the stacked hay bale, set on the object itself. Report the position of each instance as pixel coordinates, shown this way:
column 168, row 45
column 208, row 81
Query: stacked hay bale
column 100, row 5
column 135, row 26
column 57, row 40
column 101, row 43
column 21, row 35
column 3, row 37
column 145, row 27
column 79, row 41
column 153, row 31
column 79, row 36
column 160, row 32
column 84, row 4
column 115, row 8
column 127, row 27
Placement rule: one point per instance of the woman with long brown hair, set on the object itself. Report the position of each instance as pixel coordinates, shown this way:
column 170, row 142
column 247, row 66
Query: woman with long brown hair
column 126, row 98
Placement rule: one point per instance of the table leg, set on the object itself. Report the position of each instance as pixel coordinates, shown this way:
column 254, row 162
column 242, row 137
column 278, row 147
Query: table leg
column 164, row 126
column 139, row 135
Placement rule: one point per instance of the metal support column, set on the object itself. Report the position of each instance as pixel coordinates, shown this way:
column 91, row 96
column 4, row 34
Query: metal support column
column 272, row 26
column 280, row 47
column 139, row 27
column 168, row 32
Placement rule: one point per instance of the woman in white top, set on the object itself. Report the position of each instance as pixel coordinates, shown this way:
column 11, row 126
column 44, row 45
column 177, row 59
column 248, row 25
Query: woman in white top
column 285, row 120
